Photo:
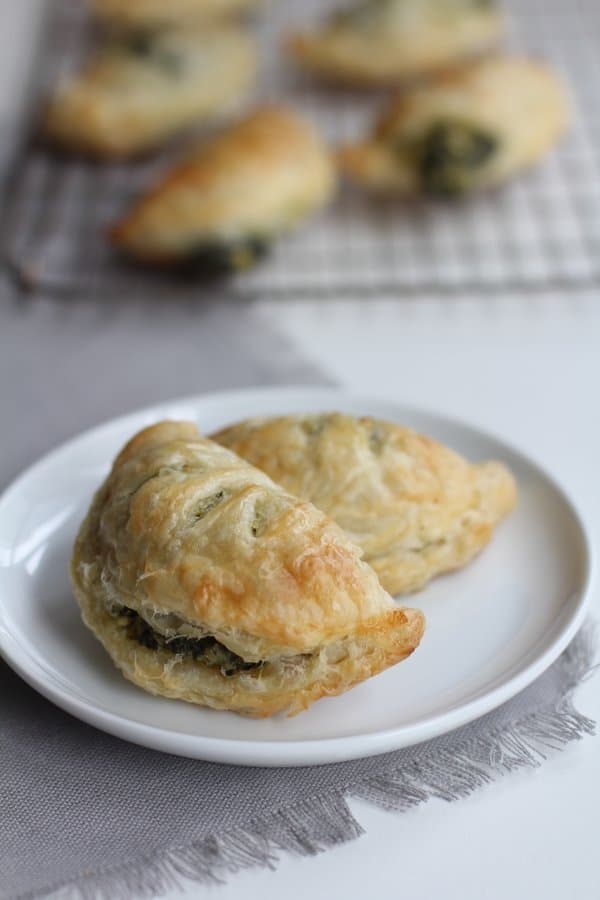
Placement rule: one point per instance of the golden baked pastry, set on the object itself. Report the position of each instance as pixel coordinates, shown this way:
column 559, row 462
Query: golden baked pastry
column 220, row 209
column 415, row 507
column 386, row 41
column 142, row 88
column 469, row 129
column 143, row 14
column 207, row 582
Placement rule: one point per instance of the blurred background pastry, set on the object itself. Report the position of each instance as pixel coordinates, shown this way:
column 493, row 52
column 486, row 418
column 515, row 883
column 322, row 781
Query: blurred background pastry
column 385, row 41
column 141, row 89
column 222, row 207
column 468, row 129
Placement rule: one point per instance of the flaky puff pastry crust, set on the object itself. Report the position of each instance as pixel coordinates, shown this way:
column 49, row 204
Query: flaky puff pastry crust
column 378, row 42
column 140, row 91
column 256, row 180
column 520, row 103
column 415, row 507
column 184, row 528
column 161, row 13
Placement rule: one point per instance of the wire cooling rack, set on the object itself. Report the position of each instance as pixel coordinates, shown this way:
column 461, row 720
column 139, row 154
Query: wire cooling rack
column 541, row 230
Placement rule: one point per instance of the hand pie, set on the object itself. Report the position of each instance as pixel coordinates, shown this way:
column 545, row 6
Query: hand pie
column 385, row 41
column 220, row 210
column 143, row 88
column 469, row 129
column 144, row 14
column 415, row 507
column 207, row 582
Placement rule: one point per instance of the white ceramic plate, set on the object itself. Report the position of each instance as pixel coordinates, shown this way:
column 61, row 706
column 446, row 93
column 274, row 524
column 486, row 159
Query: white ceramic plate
column 491, row 628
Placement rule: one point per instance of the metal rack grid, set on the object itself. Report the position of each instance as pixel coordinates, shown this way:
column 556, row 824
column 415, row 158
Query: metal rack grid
column 542, row 230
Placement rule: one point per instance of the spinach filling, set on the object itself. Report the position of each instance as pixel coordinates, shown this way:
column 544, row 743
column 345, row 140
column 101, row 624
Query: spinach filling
column 364, row 14
column 452, row 155
column 144, row 46
column 313, row 426
column 209, row 503
column 225, row 257
column 207, row 650
column 376, row 439
column 259, row 522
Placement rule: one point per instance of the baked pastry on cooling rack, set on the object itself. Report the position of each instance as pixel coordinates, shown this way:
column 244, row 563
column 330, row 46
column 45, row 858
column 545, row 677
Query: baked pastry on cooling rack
column 468, row 129
column 141, row 89
column 220, row 209
column 144, row 14
column 207, row 582
column 415, row 507
column 385, row 41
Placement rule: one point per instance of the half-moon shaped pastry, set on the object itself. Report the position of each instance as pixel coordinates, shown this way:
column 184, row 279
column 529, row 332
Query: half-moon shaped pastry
column 415, row 507
column 144, row 14
column 385, row 41
column 141, row 89
column 207, row 582
column 469, row 129
column 221, row 209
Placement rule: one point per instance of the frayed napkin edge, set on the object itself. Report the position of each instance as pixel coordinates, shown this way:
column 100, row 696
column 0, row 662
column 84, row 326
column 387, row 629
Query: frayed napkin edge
column 322, row 822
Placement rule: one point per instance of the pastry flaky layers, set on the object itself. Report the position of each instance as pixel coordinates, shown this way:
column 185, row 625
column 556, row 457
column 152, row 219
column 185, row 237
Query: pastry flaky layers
column 374, row 42
column 207, row 582
column 415, row 507
column 222, row 207
column 141, row 89
column 468, row 129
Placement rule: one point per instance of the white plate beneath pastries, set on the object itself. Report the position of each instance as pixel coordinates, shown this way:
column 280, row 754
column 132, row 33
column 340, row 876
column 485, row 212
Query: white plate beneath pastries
column 491, row 628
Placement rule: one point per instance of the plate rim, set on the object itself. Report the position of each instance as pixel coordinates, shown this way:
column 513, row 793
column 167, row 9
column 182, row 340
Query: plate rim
column 311, row 751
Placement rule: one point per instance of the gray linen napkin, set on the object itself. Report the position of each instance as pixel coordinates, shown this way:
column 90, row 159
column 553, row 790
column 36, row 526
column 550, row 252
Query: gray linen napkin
column 67, row 365
column 132, row 822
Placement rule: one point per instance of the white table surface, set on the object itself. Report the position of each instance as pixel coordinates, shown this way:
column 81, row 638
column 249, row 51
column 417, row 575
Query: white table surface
column 528, row 368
